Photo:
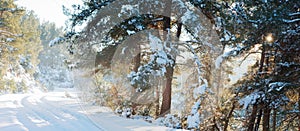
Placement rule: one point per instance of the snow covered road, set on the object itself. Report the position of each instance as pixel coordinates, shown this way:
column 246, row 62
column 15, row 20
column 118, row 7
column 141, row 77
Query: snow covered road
column 57, row 111
column 42, row 112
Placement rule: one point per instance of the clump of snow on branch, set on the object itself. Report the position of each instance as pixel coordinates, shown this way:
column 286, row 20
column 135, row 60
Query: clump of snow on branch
column 221, row 58
column 277, row 86
column 10, row 39
column 193, row 120
column 199, row 91
column 249, row 99
column 55, row 41
column 128, row 10
column 159, row 60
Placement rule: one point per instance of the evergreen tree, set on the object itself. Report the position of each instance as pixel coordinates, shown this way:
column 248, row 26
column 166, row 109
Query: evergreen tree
column 263, row 86
column 243, row 26
column 129, row 27
column 20, row 45
column 53, row 71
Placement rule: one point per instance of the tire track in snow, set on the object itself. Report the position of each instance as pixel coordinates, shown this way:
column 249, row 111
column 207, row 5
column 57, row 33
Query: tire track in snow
column 41, row 114
column 33, row 118
column 76, row 114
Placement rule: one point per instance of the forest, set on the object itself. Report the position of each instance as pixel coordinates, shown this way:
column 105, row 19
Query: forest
column 184, row 64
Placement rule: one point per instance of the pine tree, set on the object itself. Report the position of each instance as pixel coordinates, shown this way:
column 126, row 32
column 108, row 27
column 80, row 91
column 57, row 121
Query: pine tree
column 119, row 32
column 53, row 66
column 11, row 37
column 20, row 45
column 262, row 84
column 242, row 26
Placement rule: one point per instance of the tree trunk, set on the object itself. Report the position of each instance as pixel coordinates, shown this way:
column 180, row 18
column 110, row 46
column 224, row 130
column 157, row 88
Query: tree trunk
column 266, row 118
column 252, row 118
column 167, row 92
column 262, row 61
column 115, row 94
column 299, row 110
column 157, row 102
column 259, row 115
column 137, row 62
column 136, row 65
column 215, row 126
column 257, row 106
column 274, row 120
column 229, row 116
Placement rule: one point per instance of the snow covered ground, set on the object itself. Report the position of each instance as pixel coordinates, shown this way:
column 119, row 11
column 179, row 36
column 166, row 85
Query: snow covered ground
column 61, row 110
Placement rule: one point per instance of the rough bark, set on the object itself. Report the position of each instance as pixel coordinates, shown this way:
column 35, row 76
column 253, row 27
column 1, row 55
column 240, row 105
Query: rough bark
column 262, row 60
column 137, row 62
column 229, row 116
column 256, row 106
column 216, row 127
column 166, row 97
column 157, row 102
column 266, row 118
column 136, row 65
column 259, row 115
column 299, row 110
column 252, row 118
column 274, row 120
column 167, row 92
